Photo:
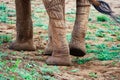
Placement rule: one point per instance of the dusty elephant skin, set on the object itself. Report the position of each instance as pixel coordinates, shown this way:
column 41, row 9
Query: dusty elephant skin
column 57, row 46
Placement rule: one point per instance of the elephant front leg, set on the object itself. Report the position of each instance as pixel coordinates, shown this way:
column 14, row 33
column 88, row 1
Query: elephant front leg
column 60, row 54
column 24, row 40
column 77, row 43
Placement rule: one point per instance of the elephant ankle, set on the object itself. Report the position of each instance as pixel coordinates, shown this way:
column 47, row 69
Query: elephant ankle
column 25, row 46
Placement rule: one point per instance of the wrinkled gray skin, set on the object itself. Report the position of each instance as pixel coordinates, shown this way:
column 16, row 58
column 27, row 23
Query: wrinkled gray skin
column 57, row 46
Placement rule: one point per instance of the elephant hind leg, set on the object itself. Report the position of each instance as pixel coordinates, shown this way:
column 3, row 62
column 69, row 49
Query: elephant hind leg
column 77, row 43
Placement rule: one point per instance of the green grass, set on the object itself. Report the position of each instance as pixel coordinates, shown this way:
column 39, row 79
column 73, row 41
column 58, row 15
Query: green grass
column 45, row 37
column 11, row 70
column 68, row 36
column 39, row 10
column 38, row 23
column 89, row 37
column 106, row 25
column 49, row 70
column 93, row 75
column 5, row 13
column 70, row 19
column 83, row 60
column 111, row 32
column 92, row 26
column 106, row 55
column 103, row 52
column 5, row 38
column 2, row 6
column 100, row 33
column 102, row 18
column 115, row 47
column 118, row 37
column 109, row 39
column 3, row 17
column 118, row 19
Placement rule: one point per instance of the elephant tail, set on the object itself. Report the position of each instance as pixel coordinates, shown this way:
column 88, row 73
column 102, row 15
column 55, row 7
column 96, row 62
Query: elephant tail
column 104, row 8
column 115, row 18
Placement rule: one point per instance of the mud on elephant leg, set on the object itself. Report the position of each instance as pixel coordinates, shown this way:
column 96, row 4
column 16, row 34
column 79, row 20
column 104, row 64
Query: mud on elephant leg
column 55, row 10
column 24, row 40
column 77, row 43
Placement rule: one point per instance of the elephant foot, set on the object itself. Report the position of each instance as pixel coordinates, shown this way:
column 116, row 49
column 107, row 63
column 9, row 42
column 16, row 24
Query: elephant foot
column 60, row 61
column 26, row 46
column 77, row 51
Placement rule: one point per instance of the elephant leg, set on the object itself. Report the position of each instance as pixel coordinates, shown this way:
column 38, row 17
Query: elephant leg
column 24, row 39
column 60, row 54
column 49, row 48
column 77, row 43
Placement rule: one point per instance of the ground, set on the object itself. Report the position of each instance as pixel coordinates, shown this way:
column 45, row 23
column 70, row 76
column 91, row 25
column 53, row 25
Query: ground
column 102, row 61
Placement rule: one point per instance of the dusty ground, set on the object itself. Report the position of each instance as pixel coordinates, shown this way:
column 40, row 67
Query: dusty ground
column 105, row 70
